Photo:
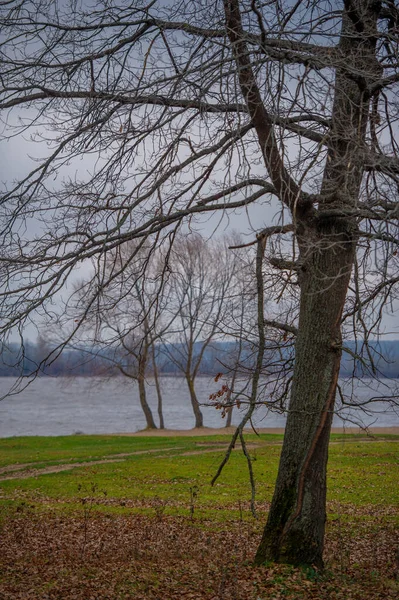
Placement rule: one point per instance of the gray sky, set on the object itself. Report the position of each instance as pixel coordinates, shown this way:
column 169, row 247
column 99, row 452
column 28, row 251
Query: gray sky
column 18, row 159
column 16, row 163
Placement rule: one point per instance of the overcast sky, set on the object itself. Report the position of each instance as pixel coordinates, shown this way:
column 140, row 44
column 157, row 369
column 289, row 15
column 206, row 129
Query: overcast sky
column 17, row 160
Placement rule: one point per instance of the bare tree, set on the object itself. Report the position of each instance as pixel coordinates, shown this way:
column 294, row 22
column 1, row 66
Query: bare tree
column 201, row 276
column 131, row 358
column 238, row 326
column 125, row 320
column 188, row 108
column 155, row 371
column 241, row 325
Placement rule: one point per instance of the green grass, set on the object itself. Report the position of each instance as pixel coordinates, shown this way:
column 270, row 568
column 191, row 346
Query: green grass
column 76, row 448
column 361, row 472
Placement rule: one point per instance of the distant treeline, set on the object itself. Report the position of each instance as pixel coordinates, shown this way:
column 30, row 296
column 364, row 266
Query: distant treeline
column 217, row 358
column 87, row 361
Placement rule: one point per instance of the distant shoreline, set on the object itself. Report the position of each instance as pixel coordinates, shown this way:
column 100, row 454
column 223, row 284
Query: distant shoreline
column 201, row 431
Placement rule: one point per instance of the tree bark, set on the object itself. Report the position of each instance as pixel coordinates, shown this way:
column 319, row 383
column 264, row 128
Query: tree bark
column 230, row 393
column 294, row 532
column 229, row 416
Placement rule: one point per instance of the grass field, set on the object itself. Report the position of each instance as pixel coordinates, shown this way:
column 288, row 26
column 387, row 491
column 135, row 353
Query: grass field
column 135, row 517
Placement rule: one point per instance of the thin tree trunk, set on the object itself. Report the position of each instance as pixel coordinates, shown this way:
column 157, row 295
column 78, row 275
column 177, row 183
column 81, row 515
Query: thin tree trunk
column 229, row 416
column 143, row 396
column 158, row 388
column 199, row 419
column 230, row 393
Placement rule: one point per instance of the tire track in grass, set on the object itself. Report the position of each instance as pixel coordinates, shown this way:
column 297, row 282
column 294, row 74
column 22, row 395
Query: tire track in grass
column 29, row 470
column 26, row 470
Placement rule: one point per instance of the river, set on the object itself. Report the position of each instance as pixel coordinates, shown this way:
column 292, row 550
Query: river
column 64, row 406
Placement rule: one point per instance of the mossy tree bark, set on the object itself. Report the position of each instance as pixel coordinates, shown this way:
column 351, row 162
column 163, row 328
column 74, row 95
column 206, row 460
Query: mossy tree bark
column 295, row 529
column 294, row 532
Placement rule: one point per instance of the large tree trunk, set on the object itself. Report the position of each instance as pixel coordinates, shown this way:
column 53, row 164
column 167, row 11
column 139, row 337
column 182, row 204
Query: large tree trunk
column 199, row 419
column 294, row 532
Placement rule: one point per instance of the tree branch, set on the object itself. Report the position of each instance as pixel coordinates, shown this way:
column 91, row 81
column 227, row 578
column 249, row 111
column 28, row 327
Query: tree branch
column 282, row 326
column 287, row 189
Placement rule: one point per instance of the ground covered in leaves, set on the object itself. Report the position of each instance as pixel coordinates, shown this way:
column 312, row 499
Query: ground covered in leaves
column 108, row 518
column 94, row 556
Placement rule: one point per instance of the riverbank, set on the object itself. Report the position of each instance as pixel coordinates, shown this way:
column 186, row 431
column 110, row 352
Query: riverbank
column 201, row 431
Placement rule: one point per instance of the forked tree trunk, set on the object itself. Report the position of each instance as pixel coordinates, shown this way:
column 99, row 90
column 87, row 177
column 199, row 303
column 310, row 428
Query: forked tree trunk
column 150, row 423
column 294, row 532
column 199, row 419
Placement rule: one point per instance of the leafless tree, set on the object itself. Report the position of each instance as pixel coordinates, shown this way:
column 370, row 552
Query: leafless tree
column 241, row 324
column 201, row 277
column 125, row 320
column 187, row 108
column 238, row 326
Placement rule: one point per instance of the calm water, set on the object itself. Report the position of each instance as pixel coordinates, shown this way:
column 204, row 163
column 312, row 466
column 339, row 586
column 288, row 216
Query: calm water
column 63, row 406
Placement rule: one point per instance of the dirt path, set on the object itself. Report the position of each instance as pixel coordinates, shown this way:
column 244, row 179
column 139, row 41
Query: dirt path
column 29, row 470
column 24, row 471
